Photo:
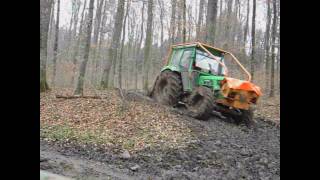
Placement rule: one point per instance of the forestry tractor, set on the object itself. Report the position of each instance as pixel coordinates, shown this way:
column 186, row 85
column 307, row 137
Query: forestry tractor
column 195, row 75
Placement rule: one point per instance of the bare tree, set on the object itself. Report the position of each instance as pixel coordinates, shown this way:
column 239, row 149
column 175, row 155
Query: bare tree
column 220, row 7
column 179, row 20
column 83, row 65
column 200, row 19
column 55, row 48
column 148, row 44
column 253, row 39
column 138, row 48
column 45, row 11
column 161, row 5
column 273, row 56
column 184, row 12
column 228, row 20
column 96, row 33
column 113, row 50
column 191, row 22
column 211, row 20
column 267, row 44
column 73, row 23
column 172, row 20
column 122, row 44
column 51, row 24
column 77, row 46
column 76, row 19
column 246, row 28
column 235, row 22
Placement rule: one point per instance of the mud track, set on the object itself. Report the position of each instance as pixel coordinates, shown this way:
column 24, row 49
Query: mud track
column 223, row 151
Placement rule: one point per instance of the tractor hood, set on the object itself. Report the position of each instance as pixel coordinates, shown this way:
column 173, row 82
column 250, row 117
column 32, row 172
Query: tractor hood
column 237, row 84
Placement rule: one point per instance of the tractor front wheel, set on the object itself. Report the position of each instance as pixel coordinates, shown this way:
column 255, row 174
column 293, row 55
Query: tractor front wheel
column 168, row 88
column 200, row 103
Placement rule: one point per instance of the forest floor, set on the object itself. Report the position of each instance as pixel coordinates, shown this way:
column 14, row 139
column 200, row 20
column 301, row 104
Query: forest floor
column 109, row 138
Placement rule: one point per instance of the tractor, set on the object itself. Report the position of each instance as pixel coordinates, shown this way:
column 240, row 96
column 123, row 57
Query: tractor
column 196, row 76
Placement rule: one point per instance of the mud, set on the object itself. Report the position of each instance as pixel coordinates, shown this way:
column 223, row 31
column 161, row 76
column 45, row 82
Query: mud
column 224, row 151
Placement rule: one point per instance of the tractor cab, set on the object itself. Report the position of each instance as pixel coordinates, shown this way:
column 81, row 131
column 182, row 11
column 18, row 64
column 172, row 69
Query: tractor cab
column 197, row 67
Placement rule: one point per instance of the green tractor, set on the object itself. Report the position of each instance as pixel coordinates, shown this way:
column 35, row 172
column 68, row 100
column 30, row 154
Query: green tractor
column 195, row 75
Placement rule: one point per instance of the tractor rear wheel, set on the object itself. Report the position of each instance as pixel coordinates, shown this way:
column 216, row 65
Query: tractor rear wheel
column 168, row 88
column 200, row 103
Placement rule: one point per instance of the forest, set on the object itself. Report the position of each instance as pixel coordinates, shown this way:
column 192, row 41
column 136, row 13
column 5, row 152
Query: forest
column 101, row 116
column 109, row 43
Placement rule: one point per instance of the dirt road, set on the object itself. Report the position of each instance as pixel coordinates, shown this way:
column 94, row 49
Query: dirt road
column 223, row 151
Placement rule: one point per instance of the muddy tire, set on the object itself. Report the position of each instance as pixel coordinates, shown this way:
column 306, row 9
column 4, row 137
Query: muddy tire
column 200, row 103
column 247, row 117
column 168, row 88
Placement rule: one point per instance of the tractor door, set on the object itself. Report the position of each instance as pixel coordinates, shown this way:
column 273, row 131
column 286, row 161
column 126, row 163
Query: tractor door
column 185, row 68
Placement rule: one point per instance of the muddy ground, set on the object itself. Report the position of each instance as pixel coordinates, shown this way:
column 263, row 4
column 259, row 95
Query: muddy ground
column 223, row 150
column 228, row 152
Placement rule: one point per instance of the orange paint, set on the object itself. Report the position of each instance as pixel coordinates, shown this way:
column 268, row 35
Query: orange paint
column 237, row 84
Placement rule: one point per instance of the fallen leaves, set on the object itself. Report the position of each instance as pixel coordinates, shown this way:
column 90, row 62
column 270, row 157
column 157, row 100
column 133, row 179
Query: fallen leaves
column 105, row 122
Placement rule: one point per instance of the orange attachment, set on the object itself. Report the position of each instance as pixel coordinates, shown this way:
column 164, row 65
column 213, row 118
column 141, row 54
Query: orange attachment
column 238, row 93
column 237, row 84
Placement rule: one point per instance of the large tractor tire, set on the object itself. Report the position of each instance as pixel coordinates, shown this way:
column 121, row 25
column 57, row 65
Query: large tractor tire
column 200, row 103
column 168, row 88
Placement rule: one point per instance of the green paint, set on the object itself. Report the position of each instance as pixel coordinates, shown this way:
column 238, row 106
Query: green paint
column 175, row 63
column 210, row 81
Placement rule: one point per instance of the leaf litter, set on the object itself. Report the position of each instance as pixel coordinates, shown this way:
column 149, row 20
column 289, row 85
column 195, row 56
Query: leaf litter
column 104, row 122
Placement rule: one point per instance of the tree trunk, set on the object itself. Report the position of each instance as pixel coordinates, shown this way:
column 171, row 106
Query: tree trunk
column 103, row 27
column 75, row 22
column 83, row 65
column 52, row 23
column 184, row 28
column 172, row 20
column 138, row 48
column 122, row 45
column 220, row 7
column 253, row 42
column 96, row 32
column 179, row 33
column 228, row 25
column 113, row 50
column 69, row 32
column 148, row 44
column 211, row 20
column 55, row 48
column 45, row 8
column 235, row 26
column 239, row 9
column 115, row 61
column 246, row 28
column 200, row 19
column 131, row 52
column 191, row 22
column 77, row 46
column 267, row 44
column 274, row 31
column 161, row 24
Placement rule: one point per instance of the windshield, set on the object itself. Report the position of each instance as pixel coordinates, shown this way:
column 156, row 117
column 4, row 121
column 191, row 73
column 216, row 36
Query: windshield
column 208, row 64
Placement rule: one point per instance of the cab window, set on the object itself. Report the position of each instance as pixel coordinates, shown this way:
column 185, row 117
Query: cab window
column 186, row 59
